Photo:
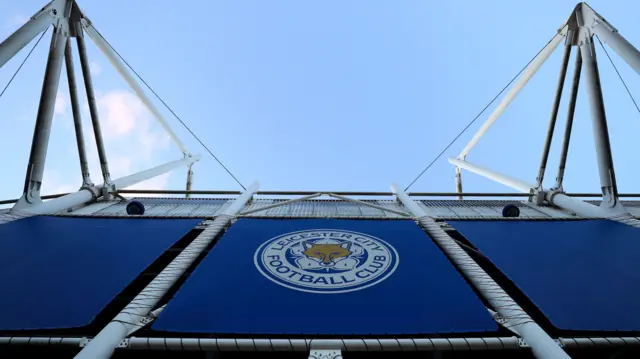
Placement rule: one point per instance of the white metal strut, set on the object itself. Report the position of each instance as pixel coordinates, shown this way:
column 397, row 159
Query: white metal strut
column 582, row 25
column 68, row 21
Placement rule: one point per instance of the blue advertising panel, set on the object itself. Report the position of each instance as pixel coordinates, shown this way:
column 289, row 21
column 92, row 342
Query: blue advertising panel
column 59, row 272
column 324, row 277
column 583, row 275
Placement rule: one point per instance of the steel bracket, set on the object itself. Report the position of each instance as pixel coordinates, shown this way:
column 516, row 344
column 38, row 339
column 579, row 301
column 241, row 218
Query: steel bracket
column 123, row 344
column 325, row 354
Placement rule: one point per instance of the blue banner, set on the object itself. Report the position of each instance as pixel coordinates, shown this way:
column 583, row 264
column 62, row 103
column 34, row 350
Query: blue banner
column 583, row 275
column 59, row 272
column 324, row 277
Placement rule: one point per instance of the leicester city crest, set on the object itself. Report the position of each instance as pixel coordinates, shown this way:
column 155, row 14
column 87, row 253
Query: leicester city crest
column 326, row 261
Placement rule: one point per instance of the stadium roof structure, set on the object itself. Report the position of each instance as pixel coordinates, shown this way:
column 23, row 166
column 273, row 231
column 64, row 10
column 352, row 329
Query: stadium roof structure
column 92, row 274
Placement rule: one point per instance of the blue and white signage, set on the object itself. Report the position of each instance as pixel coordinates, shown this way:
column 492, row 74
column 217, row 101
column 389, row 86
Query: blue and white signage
column 326, row 260
column 325, row 277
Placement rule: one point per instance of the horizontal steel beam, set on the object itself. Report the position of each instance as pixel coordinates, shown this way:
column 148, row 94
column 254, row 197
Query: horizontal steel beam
column 426, row 344
column 291, row 193
column 86, row 195
column 287, row 345
column 303, row 345
column 357, row 193
column 49, row 196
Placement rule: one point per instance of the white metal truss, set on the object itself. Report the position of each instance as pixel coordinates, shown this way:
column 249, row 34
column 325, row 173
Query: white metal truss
column 70, row 22
column 319, row 194
column 103, row 345
column 542, row 345
column 578, row 32
column 264, row 208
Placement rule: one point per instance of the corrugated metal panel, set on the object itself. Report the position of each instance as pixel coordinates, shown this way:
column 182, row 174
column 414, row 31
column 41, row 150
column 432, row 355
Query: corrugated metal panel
column 635, row 211
column 93, row 208
column 334, row 208
column 323, row 208
column 6, row 216
column 166, row 207
column 478, row 209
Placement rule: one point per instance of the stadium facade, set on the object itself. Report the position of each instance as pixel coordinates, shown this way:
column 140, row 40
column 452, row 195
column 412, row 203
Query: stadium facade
column 540, row 273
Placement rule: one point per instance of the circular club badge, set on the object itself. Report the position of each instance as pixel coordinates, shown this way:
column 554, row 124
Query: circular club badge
column 326, row 261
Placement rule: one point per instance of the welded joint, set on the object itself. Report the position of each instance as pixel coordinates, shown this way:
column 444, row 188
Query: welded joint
column 589, row 18
column 558, row 187
column 61, row 17
column 55, row 9
column 504, row 322
column 586, row 21
column 146, row 320
column 523, row 344
column 119, row 196
column 325, row 354
column 87, row 183
column 551, row 194
column 85, row 341
column 538, row 196
column 326, row 349
column 107, row 190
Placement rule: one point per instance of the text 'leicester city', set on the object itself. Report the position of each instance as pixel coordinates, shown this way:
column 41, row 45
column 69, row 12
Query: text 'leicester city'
column 326, row 261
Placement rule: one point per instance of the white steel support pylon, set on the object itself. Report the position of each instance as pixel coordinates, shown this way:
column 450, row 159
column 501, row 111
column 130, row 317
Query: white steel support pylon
column 542, row 345
column 579, row 30
column 68, row 21
column 107, row 340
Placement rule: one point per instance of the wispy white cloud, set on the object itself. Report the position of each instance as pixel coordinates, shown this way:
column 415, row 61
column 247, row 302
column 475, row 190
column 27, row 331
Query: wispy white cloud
column 132, row 143
column 95, row 68
column 55, row 182
column 121, row 113
column 61, row 104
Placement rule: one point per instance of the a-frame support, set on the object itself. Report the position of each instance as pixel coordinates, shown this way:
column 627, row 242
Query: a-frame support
column 68, row 21
column 579, row 30
column 40, row 142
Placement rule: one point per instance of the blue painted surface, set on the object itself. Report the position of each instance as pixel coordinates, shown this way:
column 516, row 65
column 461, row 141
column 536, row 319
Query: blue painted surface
column 583, row 275
column 227, row 293
column 60, row 272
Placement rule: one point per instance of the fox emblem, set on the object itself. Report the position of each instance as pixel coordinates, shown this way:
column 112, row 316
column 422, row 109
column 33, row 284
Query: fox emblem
column 326, row 260
column 327, row 256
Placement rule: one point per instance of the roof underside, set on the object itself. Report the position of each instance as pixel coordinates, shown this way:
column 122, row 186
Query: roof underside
column 323, row 208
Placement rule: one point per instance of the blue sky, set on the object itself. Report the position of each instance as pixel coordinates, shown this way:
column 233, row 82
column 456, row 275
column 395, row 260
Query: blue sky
column 328, row 95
